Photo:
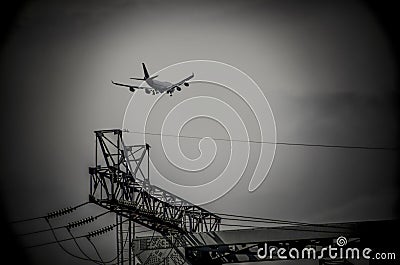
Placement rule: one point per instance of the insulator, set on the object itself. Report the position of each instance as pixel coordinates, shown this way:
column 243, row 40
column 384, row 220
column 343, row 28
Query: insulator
column 81, row 222
column 100, row 231
column 60, row 212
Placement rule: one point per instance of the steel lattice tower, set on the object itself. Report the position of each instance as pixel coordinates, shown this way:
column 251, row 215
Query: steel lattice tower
column 119, row 182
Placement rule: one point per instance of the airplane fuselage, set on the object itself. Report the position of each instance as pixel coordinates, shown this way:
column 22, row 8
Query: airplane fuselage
column 158, row 85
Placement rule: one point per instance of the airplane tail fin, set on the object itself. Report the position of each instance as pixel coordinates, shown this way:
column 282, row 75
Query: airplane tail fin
column 146, row 74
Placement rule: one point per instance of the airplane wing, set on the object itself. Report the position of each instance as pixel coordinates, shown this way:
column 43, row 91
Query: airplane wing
column 181, row 82
column 131, row 87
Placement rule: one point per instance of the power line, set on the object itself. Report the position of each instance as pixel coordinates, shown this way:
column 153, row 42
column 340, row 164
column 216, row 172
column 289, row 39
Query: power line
column 80, row 249
column 255, row 221
column 267, row 220
column 118, row 254
column 123, row 247
column 56, row 228
column 270, row 142
column 61, row 246
column 340, row 146
column 126, row 239
column 297, row 224
column 52, row 214
column 65, row 239
column 95, row 249
column 292, row 228
column 251, row 219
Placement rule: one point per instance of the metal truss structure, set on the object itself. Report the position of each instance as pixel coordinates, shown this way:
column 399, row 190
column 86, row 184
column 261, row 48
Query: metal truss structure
column 120, row 183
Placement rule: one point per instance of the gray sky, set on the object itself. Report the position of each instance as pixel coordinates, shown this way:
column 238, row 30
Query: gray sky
column 326, row 68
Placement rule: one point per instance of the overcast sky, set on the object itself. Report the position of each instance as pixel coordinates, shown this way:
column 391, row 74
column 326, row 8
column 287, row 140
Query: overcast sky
column 327, row 70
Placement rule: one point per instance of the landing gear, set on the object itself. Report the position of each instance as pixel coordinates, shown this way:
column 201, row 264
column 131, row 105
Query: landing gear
column 186, row 84
column 178, row 88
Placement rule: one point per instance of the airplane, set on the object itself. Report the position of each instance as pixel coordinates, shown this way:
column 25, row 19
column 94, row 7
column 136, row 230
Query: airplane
column 156, row 86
